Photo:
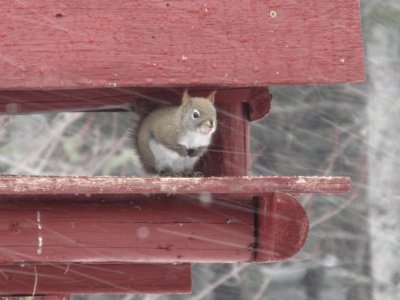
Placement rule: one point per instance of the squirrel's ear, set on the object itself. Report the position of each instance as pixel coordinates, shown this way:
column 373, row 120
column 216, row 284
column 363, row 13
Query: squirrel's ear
column 211, row 97
column 185, row 97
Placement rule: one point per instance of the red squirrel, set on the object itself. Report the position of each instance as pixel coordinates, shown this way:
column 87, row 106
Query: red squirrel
column 171, row 139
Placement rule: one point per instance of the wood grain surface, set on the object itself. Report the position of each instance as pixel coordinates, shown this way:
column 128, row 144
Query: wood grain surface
column 126, row 228
column 55, row 279
column 53, row 44
column 103, row 185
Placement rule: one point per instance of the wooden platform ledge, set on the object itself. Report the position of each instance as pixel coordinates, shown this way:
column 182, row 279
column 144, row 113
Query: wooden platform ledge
column 155, row 220
column 50, row 185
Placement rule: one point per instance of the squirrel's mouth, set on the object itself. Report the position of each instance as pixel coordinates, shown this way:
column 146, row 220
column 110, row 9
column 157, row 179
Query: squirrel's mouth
column 206, row 127
column 205, row 131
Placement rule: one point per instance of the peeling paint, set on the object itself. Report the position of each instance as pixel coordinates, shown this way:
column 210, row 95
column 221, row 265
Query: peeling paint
column 40, row 237
column 90, row 186
column 40, row 245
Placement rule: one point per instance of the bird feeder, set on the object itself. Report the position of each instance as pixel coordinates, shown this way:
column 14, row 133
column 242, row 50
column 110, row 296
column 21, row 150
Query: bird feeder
column 69, row 235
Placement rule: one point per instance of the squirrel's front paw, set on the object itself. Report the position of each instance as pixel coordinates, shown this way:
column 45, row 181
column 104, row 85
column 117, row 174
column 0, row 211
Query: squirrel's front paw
column 197, row 174
column 192, row 173
column 193, row 152
column 168, row 173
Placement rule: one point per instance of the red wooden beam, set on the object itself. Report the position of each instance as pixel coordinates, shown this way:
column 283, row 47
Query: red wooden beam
column 31, row 101
column 157, row 229
column 97, row 43
column 38, row 297
column 229, row 153
column 34, row 101
column 282, row 227
column 44, row 279
column 126, row 228
column 102, row 185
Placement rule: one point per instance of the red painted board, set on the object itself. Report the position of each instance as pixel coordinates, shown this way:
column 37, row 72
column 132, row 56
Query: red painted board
column 157, row 229
column 126, row 228
column 36, row 101
column 282, row 227
column 228, row 155
column 41, row 297
column 102, row 185
column 29, row 101
column 53, row 44
column 42, row 279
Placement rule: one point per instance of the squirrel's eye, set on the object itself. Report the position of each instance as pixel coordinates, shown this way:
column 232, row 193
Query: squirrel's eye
column 196, row 114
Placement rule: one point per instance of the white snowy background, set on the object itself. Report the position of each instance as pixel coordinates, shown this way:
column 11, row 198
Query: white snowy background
column 353, row 251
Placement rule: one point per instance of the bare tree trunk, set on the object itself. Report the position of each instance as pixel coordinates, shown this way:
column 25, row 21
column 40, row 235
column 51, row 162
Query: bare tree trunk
column 384, row 160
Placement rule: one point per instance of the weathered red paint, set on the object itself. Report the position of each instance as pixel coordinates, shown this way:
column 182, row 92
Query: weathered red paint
column 74, row 55
column 259, row 103
column 56, row 44
column 228, row 154
column 42, row 279
column 126, row 228
column 282, row 227
column 101, row 228
column 27, row 101
column 40, row 297
column 113, row 185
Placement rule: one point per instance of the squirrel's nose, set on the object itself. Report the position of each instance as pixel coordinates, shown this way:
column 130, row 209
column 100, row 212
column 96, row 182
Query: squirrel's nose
column 211, row 123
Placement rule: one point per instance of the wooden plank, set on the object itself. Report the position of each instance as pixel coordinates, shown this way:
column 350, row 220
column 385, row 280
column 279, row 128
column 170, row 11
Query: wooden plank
column 132, row 229
column 36, row 101
column 282, row 227
column 28, row 101
column 53, row 185
column 229, row 153
column 33, row 101
column 41, row 297
column 140, row 208
column 57, row 44
column 56, row 228
column 42, row 279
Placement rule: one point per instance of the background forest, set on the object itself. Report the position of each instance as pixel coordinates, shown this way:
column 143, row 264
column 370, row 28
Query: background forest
column 353, row 251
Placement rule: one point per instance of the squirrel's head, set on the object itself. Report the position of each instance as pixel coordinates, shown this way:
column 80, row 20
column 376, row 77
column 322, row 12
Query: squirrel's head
column 199, row 113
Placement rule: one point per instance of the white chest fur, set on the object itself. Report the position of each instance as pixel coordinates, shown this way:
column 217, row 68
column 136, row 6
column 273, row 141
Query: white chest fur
column 166, row 158
column 193, row 140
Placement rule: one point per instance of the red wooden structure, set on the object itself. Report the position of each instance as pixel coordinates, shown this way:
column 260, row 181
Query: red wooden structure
column 63, row 235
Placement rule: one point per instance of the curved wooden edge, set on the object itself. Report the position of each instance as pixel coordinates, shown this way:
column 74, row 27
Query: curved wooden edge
column 282, row 227
column 81, row 185
column 61, row 279
column 259, row 102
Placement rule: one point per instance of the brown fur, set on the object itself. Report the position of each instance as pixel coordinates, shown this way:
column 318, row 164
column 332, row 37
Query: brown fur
column 168, row 124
